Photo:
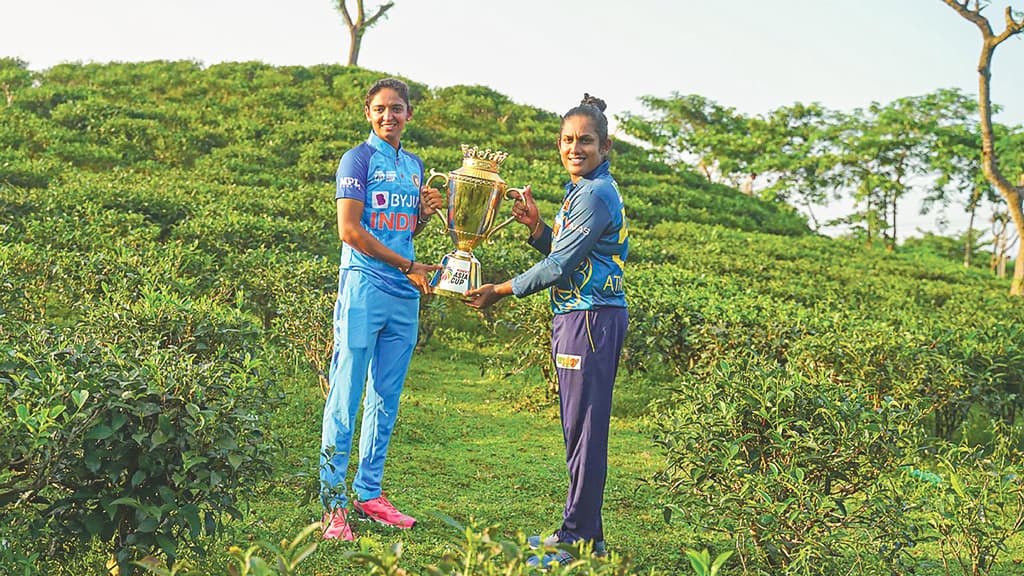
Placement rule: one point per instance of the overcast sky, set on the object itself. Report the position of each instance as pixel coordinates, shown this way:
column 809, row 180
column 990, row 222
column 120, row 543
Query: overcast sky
column 752, row 55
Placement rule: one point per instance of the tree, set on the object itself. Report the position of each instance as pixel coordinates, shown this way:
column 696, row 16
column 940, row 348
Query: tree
column 956, row 162
column 971, row 11
column 798, row 156
column 694, row 130
column 359, row 25
column 883, row 150
column 14, row 75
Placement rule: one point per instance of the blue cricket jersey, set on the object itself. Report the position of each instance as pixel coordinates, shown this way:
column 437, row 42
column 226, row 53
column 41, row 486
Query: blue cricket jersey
column 387, row 182
column 585, row 250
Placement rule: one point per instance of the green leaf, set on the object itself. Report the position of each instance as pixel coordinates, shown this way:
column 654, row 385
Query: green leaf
column 126, row 501
column 101, row 432
column 148, row 524
column 93, row 523
column 157, row 438
column 168, row 545
column 92, row 461
column 190, row 513
column 304, row 553
column 720, row 560
column 957, row 484
column 118, row 420
column 79, row 397
column 700, row 561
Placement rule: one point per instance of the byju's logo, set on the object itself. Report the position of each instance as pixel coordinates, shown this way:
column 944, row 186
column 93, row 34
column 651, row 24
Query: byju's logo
column 380, row 200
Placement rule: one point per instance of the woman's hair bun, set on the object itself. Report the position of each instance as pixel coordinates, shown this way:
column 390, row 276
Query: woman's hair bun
column 594, row 101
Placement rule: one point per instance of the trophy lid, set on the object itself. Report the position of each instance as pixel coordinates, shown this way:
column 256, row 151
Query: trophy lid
column 485, row 159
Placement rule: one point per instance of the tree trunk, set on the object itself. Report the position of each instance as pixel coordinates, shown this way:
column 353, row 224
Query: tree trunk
column 355, row 36
column 359, row 25
column 892, row 239
column 989, row 161
column 969, row 240
column 998, row 230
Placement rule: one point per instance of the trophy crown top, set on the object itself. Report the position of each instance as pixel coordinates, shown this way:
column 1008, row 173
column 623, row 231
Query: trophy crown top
column 475, row 153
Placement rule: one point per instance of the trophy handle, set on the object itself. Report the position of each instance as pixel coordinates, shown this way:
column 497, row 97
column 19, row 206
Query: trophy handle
column 510, row 194
column 426, row 183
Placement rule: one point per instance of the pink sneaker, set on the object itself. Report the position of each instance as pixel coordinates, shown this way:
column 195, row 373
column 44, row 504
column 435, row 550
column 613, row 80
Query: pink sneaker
column 380, row 510
column 336, row 526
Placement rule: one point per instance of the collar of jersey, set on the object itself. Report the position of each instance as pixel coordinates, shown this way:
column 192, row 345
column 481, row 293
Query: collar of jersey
column 594, row 174
column 382, row 145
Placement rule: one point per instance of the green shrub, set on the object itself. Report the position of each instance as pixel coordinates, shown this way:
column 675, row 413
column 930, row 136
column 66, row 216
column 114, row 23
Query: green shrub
column 141, row 447
column 977, row 503
column 800, row 475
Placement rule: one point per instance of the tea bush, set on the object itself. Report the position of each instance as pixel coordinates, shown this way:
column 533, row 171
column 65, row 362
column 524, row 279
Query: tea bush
column 799, row 475
column 139, row 445
column 168, row 240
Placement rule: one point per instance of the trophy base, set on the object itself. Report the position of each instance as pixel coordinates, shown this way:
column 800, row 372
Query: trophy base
column 459, row 273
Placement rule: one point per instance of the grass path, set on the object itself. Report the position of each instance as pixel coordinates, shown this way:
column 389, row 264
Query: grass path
column 474, row 448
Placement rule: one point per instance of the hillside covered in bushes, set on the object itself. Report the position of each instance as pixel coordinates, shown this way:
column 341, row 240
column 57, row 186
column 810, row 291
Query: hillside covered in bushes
column 168, row 260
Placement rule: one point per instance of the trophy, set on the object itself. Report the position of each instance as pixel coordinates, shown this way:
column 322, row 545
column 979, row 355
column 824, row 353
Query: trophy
column 475, row 192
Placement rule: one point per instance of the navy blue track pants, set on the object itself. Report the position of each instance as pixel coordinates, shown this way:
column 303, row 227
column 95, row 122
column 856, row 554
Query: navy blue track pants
column 585, row 346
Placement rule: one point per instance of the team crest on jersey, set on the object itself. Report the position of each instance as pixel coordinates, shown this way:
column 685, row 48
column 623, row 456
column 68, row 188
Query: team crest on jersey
column 568, row 361
column 380, row 199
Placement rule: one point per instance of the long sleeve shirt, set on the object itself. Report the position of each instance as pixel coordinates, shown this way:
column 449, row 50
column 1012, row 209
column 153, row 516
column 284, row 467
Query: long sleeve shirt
column 585, row 250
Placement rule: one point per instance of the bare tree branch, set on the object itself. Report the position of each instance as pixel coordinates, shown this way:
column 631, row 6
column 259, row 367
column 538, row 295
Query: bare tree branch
column 344, row 12
column 380, row 12
column 359, row 26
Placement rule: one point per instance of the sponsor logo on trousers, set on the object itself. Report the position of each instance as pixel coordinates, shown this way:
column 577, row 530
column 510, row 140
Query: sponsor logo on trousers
column 568, row 361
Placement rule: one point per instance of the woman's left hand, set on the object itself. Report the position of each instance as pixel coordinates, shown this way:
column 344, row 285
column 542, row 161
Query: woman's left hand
column 482, row 297
column 524, row 210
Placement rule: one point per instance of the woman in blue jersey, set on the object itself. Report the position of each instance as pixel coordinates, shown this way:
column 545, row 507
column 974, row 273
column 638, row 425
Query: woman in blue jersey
column 584, row 253
column 380, row 208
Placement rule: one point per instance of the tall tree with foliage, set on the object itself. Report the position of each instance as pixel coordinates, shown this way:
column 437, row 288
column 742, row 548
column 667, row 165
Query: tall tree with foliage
column 956, row 163
column 901, row 143
column 694, row 130
column 797, row 158
column 358, row 25
column 14, row 75
column 972, row 11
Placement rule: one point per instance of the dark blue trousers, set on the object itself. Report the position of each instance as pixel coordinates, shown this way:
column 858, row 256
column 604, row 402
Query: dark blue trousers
column 586, row 346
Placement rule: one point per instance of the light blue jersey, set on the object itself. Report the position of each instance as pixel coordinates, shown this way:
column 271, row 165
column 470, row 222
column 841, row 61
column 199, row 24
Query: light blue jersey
column 376, row 321
column 586, row 249
column 387, row 181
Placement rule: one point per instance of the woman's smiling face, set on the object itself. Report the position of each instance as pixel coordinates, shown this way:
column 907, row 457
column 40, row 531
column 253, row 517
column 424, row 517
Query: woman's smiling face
column 580, row 146
column 388, row 114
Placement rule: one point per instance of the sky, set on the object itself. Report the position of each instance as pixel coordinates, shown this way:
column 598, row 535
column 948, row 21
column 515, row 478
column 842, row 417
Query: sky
column 750, row 55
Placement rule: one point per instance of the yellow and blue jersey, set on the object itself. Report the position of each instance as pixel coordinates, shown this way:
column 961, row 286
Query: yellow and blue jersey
column 387, row 182
column 586, row 248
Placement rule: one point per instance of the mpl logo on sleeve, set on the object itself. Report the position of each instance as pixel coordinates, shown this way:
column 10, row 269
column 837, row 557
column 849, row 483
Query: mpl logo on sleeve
column 350, row 182
column 568, row 361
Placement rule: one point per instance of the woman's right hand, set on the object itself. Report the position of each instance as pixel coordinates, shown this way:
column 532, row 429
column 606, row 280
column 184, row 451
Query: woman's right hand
column 524, row 210
column 431, row 202
column 420, row 274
